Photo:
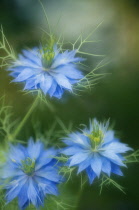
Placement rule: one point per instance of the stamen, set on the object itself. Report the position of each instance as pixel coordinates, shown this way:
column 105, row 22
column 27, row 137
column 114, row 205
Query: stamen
column 96, row 137
column 48, row 54
column 28, row 166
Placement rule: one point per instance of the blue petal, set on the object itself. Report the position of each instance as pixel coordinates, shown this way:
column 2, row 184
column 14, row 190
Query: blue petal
column 16, row 154
column 78, row 138
column 83, row 165
column 13, row 74
column 46, row 83
column 25, row 62
column 96, row 164
column 11, row 169
column 34, row 58
column 91, row 175
column 69, row 71
column 15, row 189
column 16, row 69
column 58, row 92
column 25, row 205
column 25, row 74
column 33, row 194
column 51, row 189
column 78, row 158
column 117, row 147
column 62, row 81
column 109, row 136
column 46, row 185
column 49, row 173
column 22, row 197
column 34, row 149
column 66, row 58
column 68, row 141
column 113, row 157
column 72, row 150
column 52, row 89
column 45, row 158
column 31, row 83
column 106, row 166
column 116, row 170
column 73, row 81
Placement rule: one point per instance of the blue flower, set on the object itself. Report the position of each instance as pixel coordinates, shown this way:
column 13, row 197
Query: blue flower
column 30, row 174
column 95, row 150
column 47, row 69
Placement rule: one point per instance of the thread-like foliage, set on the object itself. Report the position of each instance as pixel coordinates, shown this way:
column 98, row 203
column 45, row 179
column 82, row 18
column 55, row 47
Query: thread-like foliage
column 7, row 49
column 6, row 123
column 107, row 182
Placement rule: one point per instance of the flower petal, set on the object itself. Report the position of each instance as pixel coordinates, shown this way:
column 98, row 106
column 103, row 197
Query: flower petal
column 72, row 150
column 25, row 74
column 83, row 165
column 116, row 170
column 62, row 81
column 91, row 174
column 106, row 166
column 117, row 147
column 113, row 157
column 69, row 71
column 45, row 83
column 78, row 158
column 96, row 164
column 34, row 149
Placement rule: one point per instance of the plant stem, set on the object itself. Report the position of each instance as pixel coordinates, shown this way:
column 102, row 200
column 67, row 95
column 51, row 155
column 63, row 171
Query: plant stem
column 80, row 192
column 21, row 124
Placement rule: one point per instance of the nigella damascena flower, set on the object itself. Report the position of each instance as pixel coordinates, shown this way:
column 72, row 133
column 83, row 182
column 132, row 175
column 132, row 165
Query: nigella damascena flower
column 48, row 69
column 30, row 174
column 95, row 150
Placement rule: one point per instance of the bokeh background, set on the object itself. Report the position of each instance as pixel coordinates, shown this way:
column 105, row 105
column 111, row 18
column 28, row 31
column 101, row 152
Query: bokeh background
column 116, row 96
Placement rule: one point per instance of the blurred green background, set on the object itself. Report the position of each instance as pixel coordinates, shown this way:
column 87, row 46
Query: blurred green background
column 116, row 96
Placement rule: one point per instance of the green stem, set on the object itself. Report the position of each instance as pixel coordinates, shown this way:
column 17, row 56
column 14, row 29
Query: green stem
column 21, row 124
column 80, row 192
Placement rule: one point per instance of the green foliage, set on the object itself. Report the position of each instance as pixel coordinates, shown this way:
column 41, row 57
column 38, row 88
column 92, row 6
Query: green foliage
column 90, row 79
column 7, row 49
column 132, row 158
column 107, row 182
column 51, row 136
column 6, row 123
column 58, row 203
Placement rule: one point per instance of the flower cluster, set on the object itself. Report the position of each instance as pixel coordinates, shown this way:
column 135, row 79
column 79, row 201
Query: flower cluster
column 48, row 69
column 95, row 150
column 30, row 174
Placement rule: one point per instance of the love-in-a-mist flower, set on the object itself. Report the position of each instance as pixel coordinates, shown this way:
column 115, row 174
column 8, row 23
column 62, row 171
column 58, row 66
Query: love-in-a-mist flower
column 30, row 174
column 95, row 150
column 48, row 69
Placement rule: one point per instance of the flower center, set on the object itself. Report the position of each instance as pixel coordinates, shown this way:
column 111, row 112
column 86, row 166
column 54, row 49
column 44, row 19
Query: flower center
column 96, row 137
column 48, row 55
column 28, row 166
